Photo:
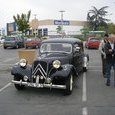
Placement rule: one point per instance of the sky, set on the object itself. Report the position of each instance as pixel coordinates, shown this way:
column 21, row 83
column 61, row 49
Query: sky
column 49, row 9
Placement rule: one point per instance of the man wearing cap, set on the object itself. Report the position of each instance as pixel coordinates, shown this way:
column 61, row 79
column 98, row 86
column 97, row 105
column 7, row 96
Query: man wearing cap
column 110, row 58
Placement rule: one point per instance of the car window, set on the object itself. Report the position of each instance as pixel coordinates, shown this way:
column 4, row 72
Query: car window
column 29, row 39
column 56, row 47
column 9, row 38
column 94, row 39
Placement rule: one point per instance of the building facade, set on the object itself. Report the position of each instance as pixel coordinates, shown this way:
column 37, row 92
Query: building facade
column 49, row 27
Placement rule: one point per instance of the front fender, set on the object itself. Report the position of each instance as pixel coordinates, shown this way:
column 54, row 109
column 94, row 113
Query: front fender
column 17, row 70
column 64, row 71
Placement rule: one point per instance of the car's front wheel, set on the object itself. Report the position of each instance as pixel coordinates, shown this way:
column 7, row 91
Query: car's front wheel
column 69, row 85
column 18, row 86
column 16, row 46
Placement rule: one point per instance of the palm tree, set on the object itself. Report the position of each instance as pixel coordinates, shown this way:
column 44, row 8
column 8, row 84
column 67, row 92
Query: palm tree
column 96, row 17
column 22, row 21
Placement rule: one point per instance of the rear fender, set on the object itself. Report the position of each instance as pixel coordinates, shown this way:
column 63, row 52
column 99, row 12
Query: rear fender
column 85, row 60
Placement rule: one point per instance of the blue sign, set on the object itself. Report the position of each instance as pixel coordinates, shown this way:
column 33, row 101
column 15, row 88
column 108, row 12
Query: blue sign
column 59, row 22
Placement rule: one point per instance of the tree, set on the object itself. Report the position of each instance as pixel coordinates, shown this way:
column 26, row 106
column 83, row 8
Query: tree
column 22, row 21
column 111, row 28
column 96, row 17
column 59, row 29
column 85, row 30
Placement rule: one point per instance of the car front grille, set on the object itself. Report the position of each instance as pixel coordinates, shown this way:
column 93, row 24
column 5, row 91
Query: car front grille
column 41, row 68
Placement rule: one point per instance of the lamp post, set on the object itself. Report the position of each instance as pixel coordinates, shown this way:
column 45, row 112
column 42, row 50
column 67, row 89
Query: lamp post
column 62, row 11
column 34, row 25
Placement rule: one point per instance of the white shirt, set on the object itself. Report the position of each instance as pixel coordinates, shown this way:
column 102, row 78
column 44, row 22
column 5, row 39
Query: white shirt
column 101, row 47
column 112, row 45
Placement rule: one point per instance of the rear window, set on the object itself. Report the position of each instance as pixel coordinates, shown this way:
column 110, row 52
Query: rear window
column 9, row 38
column 94, row 39
column 28, row 39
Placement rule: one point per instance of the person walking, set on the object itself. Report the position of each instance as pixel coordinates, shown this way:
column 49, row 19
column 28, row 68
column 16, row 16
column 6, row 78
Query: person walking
column 103, row 55
column 110, row 58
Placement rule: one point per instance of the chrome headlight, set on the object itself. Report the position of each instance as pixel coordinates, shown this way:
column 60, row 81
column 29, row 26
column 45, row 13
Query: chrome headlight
column 23, row 62
column 56, row 64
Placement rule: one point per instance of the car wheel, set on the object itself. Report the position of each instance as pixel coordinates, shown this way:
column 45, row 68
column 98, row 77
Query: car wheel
column 84, row 69
column 5, row 47
column 18, row 86
column 17, row 46
column 25, row 47
column 36, row 47
column 69, row 85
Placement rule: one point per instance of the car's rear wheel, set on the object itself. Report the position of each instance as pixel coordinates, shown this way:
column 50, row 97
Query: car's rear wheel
column 84, row 69
column 36, row 47
column 25, row 46
column 69, row 85
column 5, row 47
column 18, row 86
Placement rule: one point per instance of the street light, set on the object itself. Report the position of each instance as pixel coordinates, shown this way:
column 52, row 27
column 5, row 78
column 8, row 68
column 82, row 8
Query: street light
column 62, row 11
column 34, row 24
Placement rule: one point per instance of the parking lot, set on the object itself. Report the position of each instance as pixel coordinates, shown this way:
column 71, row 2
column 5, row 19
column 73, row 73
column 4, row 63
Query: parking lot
column 90, row 95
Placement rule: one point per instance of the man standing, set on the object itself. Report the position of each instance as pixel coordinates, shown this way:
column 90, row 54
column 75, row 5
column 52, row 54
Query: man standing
column 110, row 58
column 103, row 55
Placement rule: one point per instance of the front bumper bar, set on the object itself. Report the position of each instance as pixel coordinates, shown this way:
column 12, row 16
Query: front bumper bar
column 37, row 85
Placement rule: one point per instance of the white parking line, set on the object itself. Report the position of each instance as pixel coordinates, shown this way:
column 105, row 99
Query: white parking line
column 84, row 90
column 84, row 111
column 5, row 87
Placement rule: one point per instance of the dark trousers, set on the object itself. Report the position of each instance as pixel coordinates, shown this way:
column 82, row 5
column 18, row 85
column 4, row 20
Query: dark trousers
column 103, row 65
column 108, row 69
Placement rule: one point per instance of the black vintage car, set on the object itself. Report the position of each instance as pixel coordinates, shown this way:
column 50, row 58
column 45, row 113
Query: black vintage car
column 59, row 61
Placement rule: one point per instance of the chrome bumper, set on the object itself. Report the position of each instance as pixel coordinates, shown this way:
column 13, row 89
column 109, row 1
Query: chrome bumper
column 38, row 85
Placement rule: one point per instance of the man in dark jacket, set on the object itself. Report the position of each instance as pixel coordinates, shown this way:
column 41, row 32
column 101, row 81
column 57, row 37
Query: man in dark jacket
column 110, row 58
column 103, row 55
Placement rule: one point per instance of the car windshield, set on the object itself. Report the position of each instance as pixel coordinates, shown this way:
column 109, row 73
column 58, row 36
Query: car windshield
column 95, row 39
column 9, row 38
column 56, row 47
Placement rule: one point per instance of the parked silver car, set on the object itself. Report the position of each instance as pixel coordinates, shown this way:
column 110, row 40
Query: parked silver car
column 14, row 42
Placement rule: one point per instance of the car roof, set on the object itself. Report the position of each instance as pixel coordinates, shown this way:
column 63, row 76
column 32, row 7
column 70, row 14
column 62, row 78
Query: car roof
column 62, row 40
